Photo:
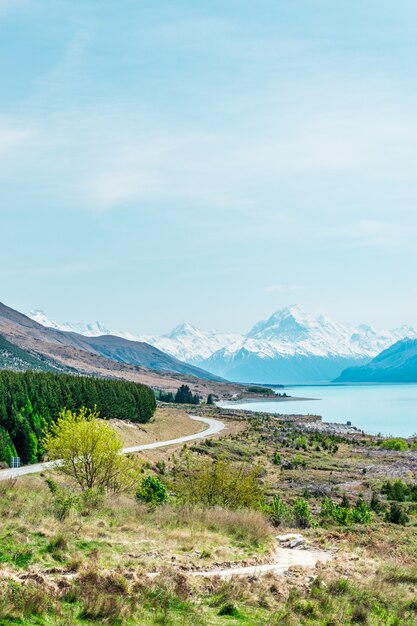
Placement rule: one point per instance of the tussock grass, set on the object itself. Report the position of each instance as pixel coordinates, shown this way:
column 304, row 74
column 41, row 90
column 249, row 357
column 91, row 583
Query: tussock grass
column 250, row 528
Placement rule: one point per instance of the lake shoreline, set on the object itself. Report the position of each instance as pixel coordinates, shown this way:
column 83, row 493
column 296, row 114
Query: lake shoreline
column 386, row 410
column 246, row 399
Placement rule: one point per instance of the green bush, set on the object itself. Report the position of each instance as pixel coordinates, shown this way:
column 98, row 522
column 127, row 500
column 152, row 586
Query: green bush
column 396, row 515
column 302, row 514
column 361, row 513
column 278, row 511
column 375, row 503
column 396, row 444
column 277, row 459
column 346, row 516
column 152, row 491
column 300, row 442
column 399, row 491
column 218, row 482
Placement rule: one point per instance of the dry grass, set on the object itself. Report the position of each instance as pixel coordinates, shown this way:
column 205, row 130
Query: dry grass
column 167, row 423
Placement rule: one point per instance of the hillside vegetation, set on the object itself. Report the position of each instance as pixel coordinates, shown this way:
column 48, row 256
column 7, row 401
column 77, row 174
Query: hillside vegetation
column 85, row 556
column 30, row 401
column 14, row 358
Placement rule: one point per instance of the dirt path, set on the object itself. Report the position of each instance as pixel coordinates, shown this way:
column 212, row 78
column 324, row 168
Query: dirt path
column 283, row 560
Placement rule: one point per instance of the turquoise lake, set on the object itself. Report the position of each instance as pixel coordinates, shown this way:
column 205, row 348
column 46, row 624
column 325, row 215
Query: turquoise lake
column 386, row 409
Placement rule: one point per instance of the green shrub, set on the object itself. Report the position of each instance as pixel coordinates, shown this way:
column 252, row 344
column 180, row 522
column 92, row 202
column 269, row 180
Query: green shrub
column 302, row 514
column 278, row 511
column 277, row 459
column 360, row 514
column 64, row 503
column 396, row 515
column 396, row 444
column 218, row 482
column 152, row 491
column 229, row 609
column 300, row 442
column 375, row 503
column 52, row 485
column 399, row 491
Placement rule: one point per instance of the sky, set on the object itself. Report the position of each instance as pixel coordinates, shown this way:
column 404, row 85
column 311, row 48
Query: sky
column 208, row 161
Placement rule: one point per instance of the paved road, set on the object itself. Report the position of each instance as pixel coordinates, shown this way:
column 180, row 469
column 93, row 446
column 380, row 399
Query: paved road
column 214, row 427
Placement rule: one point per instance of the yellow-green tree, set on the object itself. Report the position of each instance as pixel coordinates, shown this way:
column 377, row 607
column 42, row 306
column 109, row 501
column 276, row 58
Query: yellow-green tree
column 88, row 451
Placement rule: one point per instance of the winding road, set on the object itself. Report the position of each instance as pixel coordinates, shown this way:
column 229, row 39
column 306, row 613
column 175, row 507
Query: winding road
column 214, row 427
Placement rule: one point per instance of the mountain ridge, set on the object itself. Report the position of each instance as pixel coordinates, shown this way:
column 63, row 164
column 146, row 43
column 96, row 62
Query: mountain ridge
column 396, row 364
column 289, row 346
column 104, row 351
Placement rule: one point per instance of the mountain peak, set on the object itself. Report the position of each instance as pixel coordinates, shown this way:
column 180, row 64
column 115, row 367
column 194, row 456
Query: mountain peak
column 186, row 328
column 291, row 323
column 94, row 329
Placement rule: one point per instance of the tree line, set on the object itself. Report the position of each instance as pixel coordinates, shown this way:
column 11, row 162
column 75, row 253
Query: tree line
column 31, row 401
column 183, row 395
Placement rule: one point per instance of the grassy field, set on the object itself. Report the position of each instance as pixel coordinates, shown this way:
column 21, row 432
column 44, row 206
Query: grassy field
column 68, row 558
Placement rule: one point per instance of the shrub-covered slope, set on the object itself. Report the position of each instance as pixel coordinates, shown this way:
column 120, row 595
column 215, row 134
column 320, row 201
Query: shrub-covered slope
column 14, row 358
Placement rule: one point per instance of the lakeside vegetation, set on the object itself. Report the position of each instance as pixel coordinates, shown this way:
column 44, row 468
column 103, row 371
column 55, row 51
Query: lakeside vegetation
column 260, row 390
column 30, row 402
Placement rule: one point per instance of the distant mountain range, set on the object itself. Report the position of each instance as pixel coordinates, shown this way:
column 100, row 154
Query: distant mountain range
column 397, row 364
column 25, row 339
column 291, row 346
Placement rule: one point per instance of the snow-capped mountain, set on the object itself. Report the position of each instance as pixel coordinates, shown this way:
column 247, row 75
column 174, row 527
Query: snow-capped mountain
column 185, row 342
column 191, row 344
column 290, row 346
column 95, row 329
column 292, row 331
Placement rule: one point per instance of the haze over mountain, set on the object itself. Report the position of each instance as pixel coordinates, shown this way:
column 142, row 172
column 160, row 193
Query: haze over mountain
column 290, row 346
column 397, row 364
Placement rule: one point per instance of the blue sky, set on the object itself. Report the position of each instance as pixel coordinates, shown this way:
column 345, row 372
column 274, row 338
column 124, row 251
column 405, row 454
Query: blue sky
column 208, row 161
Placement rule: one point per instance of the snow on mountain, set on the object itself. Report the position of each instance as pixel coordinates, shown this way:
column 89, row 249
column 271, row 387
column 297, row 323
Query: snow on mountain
column 290, row 345
column 291, row 331
column 191, row 344
column 94, row 329
column 293, row 346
